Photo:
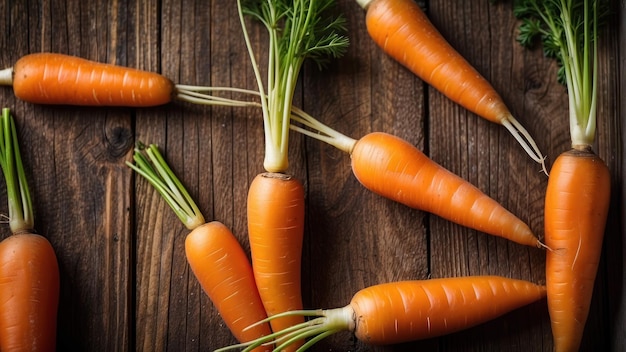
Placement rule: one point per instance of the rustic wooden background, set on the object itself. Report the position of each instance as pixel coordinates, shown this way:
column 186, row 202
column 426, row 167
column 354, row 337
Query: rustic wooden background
column 125, row 283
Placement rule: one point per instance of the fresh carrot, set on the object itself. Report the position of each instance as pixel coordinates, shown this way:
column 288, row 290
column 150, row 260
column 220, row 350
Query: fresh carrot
column 297, row 30
column 50, row 78
column 405, row 311
column 578, row 192
column 576, row 208
column 275, row 228
column 395, row 169
column 29, row 272
column 406, row 34
column 214, row 254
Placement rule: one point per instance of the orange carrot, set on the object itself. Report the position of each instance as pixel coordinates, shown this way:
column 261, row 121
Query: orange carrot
column 224, row 272
column 29, row 293
column 576, row 208
column 578, row 193
column 406, row 34
column 404, row 311
column 214, row 254
column 29, row 272
column 276, row 228
column 49, row 78
column 395, row 169
column 297, row 30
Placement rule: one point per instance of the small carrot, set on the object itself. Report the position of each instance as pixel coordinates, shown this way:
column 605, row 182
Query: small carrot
column 579, row 187
column 214, row 254
column 276, row 229
column 29, row 272
column 50, row 78
column 395, row 169
column 405, row 311
column 406, row 34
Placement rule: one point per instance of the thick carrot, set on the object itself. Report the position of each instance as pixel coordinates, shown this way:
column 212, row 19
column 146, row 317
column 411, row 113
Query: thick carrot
column 29, row 272
column 49, row 78
column 578, row 193
column 406, row 34
column 214, row 254
column 404, row 311
column 395, row 169
column 29, row 293
column 276, row 228
column 576, row 208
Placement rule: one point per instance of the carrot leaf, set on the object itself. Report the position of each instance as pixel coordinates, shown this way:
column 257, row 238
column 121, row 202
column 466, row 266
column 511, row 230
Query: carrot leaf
column 568, row 30
column 298, row 29
column 20, row 205
column 150, row 164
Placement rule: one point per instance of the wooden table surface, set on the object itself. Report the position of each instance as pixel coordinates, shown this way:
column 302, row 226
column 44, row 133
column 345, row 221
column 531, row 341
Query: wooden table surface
column 125, row 282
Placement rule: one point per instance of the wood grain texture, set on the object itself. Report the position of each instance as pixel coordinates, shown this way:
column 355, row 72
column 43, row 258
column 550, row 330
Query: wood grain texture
column 125, row 283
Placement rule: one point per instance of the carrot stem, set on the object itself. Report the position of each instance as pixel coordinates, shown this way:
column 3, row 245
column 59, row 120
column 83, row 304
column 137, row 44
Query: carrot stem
column 6, row 77
column 150, row 164
column 20, row 205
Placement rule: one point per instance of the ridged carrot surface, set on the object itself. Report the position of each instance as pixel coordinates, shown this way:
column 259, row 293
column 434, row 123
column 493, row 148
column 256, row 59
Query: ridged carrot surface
column 29, row 294
column 224, row 272
column 410, row 310
column 576, row 208
column 395, row 169
column 276, row 229
column 49, row 78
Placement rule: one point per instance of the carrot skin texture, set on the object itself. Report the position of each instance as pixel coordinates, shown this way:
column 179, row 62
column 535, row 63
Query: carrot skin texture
column 411, row 310
column 276, row 230
column 395, row 169
column 405, row 33
column 221, row 266
column 576, row 208
column 50, row 78
column 29, row 294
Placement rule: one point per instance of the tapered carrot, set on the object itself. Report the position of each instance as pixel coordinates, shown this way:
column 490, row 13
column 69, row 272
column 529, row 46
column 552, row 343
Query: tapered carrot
column 29, row 272
column 214, row 254
column 406, row 34
column 276, row 228
column 576, row 208
column 395, row 169
column 578, row 193
column 50, row 78
column 404, row 311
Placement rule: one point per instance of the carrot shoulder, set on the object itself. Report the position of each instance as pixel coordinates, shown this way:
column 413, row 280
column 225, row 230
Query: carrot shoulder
column 576, row 208
column 50, row 78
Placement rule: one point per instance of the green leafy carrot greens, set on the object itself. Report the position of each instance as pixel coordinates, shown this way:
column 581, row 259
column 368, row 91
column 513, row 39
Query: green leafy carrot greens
column 578, row 192
column 298, row 29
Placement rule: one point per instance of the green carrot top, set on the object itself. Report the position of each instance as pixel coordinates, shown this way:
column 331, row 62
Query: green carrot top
column 150, row 164
column 569, row 32
column 298, row 29
column 21, row 217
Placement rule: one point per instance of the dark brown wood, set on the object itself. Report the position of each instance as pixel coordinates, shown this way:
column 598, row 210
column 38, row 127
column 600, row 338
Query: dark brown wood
column 125, row 282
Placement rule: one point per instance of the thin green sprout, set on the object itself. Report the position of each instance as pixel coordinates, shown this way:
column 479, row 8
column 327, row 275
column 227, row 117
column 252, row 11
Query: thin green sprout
column 150, row 164
column 21, row 217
